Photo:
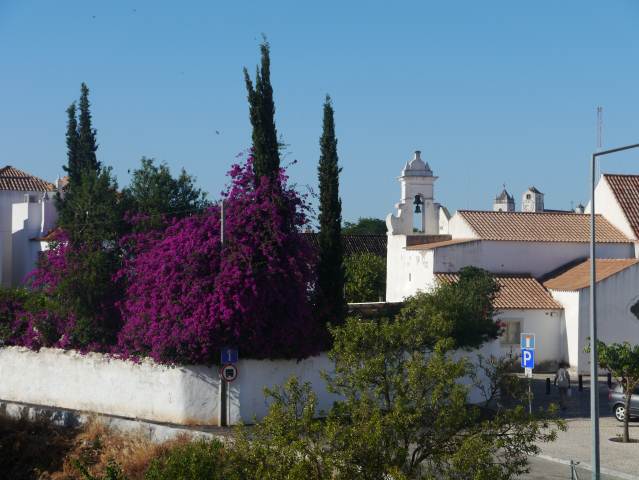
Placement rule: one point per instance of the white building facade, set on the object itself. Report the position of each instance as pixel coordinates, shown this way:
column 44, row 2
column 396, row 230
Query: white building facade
column 27, row 214
column 537, row 256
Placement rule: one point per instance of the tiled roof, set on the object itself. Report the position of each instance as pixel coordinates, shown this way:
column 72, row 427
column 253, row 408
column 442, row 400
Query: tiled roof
column 443, row 243
column 16, row 180
column 578, row 277
column 626, row 189
column 540, row 227
column 353, row 244
column 516, row 292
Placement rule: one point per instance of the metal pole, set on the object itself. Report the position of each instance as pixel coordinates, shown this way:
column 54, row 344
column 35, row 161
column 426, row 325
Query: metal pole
column 529, row 396
column 594, row 384
column 223, row 384
column 594, row 378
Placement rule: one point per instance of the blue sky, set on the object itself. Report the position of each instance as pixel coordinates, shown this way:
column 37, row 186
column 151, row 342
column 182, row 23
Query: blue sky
column 491, row 92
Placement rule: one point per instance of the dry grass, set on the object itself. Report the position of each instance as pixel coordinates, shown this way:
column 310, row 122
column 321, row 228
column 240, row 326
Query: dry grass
column 39, row 451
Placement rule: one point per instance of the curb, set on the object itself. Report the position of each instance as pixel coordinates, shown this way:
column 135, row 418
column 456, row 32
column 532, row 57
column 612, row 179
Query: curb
column 586, row 466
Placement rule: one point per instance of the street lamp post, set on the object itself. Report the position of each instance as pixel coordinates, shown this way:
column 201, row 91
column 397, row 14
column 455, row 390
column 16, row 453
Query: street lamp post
column 594, row 374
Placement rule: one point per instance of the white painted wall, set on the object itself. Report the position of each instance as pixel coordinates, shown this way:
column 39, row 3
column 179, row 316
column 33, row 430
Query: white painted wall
column 407, row 271
column 535, row 258
column 571, row 340
column 247, row 392
column 458, row 227
column 187, row 395
column 31, row 215
column 7, row 199
column 547, row 325
column 615, row 322
column 97, row 383
column 30, row 219
column 607, row 205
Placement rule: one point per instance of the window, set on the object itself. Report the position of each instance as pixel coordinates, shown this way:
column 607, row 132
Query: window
column 528, row 196
column 512, row 331
column 635, row 309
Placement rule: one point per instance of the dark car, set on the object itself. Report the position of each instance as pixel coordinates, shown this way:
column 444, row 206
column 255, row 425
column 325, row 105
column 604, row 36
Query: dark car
column 616, row 402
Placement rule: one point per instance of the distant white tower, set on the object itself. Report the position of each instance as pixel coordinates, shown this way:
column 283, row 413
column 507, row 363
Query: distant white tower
column 532, row 201
column 504, row 202
column 417, row 210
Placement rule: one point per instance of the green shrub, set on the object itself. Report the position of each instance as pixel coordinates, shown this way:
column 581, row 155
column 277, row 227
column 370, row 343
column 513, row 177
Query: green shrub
column 365, row 277
column 198, row 460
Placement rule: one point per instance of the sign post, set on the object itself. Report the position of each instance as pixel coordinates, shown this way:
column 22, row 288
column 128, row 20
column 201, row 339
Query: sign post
column 228, row 372
column 527, row 343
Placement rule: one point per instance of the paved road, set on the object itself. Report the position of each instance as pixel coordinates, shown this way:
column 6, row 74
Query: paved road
column 576, row 442
column 541, row 469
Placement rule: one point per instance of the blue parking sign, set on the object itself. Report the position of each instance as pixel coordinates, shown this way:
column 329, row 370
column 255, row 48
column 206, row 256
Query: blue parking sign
column 527, row 358
column 229, row 355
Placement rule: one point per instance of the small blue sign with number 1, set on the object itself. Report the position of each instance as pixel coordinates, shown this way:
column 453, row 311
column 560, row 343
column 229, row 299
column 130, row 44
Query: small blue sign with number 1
column 527, row 358
column 229, row 355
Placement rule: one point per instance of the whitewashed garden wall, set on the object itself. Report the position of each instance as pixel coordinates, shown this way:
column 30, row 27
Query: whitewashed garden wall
column 184, row 395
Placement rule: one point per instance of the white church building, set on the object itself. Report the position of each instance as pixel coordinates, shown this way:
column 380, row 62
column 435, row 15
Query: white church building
column 27, row 214
column 539, row 258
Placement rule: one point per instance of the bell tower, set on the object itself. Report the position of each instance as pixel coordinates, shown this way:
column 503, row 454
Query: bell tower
column 417, row 211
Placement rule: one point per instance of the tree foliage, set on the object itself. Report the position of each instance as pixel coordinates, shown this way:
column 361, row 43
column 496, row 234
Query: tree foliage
column 87, row 143
column 462, row 310
column 329, row 297
column 155, row 196
column 622, row 361
column 72, row 167
column 365, row 277
column 365, row 226
column 262, row 115
column 403, row 412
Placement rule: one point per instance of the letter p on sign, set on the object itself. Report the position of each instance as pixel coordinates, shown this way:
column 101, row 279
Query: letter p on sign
column 527, row 358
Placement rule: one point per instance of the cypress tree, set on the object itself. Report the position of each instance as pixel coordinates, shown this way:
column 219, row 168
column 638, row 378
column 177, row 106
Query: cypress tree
column 72, row 167
column 266, row 155
column 330, row 271
column 87, row 145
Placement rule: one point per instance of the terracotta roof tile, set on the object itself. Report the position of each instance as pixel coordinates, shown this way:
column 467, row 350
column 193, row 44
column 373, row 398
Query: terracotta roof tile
column 444, row 243
column 578, row 277
column 516, row 292
column 356, row 243
column 540, row 227
column 16, row 180
column 626, row 189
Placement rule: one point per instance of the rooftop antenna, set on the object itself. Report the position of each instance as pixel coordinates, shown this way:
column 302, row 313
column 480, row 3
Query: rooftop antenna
column 599, row 135
column 599, row 128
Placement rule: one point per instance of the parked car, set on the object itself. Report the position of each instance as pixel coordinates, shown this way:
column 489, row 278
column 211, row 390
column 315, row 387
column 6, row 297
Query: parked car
column 616, row 402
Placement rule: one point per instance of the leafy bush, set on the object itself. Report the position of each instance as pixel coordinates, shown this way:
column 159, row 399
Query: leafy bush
column 199, row 460
column 404, row 411
column 365, row 277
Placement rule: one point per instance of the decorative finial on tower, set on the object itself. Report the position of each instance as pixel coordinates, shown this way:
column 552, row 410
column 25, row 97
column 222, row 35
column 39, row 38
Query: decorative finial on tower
column 418, row 155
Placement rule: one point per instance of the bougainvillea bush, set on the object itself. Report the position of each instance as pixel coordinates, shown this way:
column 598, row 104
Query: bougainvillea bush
column 188, row 295
column 71, row 302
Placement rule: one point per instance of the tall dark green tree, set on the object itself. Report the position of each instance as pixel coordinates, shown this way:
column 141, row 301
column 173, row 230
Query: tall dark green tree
column 72, row 167
column 330, row 301
column 266, row 155
column 91, row 217
column 87, row 145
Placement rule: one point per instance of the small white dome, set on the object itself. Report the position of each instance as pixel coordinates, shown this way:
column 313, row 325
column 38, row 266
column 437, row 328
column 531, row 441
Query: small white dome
column 416, row 167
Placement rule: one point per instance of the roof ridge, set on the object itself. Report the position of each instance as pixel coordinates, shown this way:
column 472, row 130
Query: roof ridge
column 577, row 277
column 546, row 212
